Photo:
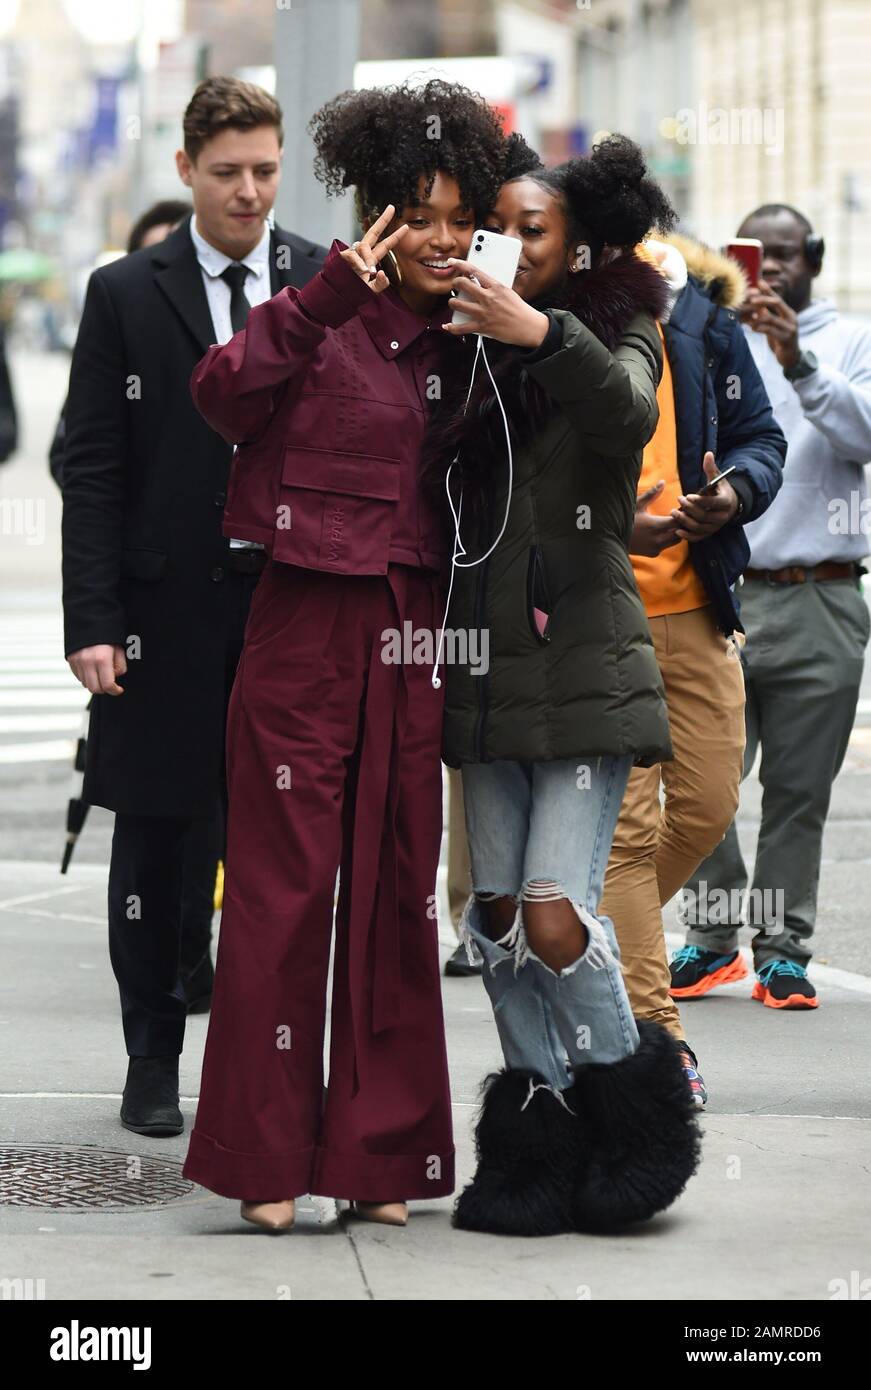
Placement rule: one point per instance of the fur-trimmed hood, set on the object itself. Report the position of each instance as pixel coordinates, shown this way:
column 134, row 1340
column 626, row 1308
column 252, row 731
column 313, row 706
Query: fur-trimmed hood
column 721, row 278
column 677, row 257
column 607, row 298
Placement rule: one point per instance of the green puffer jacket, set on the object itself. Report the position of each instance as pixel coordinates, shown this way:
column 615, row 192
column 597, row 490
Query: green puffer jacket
column 582, row 680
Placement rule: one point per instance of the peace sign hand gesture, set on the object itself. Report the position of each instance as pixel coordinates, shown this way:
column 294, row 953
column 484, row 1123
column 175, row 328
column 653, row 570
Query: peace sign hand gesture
column 364, row 256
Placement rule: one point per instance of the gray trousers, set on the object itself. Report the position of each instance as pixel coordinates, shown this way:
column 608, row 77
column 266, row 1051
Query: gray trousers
column 803, row 662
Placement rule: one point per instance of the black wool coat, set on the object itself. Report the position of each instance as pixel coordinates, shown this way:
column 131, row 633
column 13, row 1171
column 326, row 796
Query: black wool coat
column 144, row 557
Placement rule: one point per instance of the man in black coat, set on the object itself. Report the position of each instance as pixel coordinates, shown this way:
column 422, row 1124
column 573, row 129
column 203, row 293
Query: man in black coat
column 155, row 598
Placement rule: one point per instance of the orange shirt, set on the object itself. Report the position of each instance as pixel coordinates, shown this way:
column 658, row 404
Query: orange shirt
column 667, row 582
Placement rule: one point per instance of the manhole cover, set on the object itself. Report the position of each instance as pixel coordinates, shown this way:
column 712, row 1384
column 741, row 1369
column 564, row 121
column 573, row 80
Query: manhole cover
column 79, row 1178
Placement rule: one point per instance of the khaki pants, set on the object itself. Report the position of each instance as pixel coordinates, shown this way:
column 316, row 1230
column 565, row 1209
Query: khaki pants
column 657, row 847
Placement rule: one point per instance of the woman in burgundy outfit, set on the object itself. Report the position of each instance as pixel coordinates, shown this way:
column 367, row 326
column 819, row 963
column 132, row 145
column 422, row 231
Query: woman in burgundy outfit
column 334, row 752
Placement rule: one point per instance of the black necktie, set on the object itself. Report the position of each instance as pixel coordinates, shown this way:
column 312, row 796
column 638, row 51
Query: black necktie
column 235, row 277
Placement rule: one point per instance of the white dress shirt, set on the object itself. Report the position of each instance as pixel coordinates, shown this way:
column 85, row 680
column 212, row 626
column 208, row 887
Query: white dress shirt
column 257, row 289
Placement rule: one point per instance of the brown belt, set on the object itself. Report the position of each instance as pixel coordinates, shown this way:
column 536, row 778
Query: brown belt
column 246, row 560
column 799, row 574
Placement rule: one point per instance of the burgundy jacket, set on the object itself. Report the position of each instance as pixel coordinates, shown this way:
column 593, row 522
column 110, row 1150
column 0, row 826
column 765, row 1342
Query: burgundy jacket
column 325, row 393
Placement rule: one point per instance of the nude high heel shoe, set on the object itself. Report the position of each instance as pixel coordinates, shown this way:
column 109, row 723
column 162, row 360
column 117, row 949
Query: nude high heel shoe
column 271, row 1216
column 386, row 1213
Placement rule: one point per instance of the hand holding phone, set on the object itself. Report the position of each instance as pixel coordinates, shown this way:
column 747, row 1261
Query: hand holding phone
column 704, row 512
column 490, row 306
column 711, row 485
column 497, row 256
column 748, row 252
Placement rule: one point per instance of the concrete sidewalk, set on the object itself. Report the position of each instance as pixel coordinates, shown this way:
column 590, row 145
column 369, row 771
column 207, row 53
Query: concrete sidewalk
column 780, row 1208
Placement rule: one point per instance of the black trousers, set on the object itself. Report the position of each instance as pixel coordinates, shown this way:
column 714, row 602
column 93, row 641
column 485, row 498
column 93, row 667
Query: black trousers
column 203, row 848
column 161, row 886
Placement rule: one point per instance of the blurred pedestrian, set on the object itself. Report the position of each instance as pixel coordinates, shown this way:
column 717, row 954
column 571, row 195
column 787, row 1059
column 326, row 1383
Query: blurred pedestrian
column 152, row 226
column 806, row 620
column 8, row 413
column 687, row 552
column 155, row 597
column 459, row 874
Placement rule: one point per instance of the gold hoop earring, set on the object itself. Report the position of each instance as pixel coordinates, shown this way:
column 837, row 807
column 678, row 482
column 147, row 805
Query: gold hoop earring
column 396, row 267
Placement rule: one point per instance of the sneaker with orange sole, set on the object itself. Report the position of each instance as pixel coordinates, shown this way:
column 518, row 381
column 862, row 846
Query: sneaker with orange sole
column 783, row 984
column 695, row 971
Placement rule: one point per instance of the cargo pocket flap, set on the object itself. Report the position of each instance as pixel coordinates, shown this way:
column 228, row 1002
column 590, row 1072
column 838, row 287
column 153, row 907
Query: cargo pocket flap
column 345, row 473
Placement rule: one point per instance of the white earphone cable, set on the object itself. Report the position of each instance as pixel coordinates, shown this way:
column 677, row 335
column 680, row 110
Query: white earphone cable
column 459, row 548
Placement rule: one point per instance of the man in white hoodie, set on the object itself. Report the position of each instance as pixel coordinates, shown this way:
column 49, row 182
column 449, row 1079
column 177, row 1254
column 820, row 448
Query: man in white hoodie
column 806, row 620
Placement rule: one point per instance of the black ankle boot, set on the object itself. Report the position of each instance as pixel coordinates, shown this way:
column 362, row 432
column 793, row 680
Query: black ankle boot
column 150, row 1101
column 527, row 1150
column 639, row 1131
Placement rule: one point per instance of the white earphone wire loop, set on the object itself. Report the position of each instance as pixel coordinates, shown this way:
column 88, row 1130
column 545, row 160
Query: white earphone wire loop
column 456, row 514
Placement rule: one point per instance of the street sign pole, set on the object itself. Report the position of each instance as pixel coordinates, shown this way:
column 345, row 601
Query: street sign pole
column 316, row 47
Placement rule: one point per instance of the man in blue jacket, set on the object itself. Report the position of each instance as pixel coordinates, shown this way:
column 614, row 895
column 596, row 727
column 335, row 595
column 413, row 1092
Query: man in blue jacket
column 688, row 550
column 806, row 618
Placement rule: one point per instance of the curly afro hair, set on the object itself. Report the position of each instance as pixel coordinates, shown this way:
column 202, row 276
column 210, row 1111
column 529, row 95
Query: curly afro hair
column 609, row 200
column 609, row 196
column 521, row 161
column 381, row 140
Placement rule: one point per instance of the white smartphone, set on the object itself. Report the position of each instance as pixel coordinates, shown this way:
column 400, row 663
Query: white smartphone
column 497, row 255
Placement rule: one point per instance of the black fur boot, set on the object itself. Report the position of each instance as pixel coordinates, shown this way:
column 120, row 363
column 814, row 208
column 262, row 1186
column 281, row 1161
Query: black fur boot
column 639, row 1132
column 527, row 1158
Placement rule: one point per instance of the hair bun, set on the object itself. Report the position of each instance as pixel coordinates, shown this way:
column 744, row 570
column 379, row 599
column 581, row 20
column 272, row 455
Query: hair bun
column 611, row 194
column 619, row 162
column 520, row 158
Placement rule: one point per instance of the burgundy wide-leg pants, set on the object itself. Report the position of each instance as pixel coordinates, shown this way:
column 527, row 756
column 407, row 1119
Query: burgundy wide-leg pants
column 333, row 763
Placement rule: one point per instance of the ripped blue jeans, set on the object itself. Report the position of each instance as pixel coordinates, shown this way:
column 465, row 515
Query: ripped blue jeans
column 537, row 832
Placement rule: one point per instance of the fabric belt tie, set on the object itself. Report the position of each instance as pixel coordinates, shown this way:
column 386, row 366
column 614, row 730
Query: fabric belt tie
column 373, row 929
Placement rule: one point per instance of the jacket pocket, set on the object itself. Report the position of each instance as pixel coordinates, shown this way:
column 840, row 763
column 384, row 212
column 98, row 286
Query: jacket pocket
column 362, row 419
column 538, row 603
column 336, row 511
column 139, row 562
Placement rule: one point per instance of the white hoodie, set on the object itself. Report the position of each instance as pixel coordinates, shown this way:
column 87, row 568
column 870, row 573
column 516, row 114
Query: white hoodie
column 672, row 266
column 822, row 511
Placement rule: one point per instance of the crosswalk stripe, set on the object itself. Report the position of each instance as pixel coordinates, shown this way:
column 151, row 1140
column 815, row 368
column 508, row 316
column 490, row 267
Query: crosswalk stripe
column 24, row 681
column 37, row 723
column 48, row 751
column 23, row 650
column 38, row 693
column 16, row 664
column 30, row 698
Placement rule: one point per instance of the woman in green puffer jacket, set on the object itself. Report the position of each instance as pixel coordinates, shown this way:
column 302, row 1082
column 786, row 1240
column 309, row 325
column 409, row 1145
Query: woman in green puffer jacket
column 591, row 1123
